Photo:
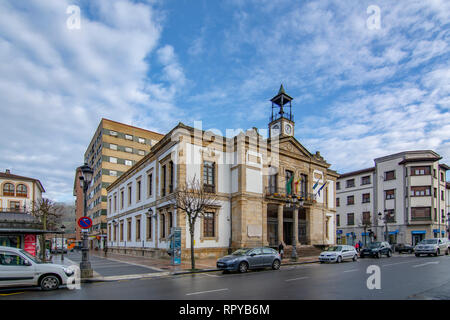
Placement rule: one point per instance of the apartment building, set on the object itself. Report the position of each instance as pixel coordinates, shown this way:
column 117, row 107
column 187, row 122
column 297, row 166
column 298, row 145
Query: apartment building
column 114, row 148
column 18, row 196
column 408, row 203
column 254, row 179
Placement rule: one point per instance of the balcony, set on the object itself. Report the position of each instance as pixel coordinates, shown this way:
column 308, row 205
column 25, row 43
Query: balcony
column 281, row 194
column 209, row 188
column 14, row 210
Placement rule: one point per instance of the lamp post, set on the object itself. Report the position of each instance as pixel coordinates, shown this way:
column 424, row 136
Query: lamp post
column 296, row 202
column 385, row 218
column 85, row 181
column 63, row 228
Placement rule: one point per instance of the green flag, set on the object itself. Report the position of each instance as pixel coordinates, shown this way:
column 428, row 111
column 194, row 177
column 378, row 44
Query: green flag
column 289, row 185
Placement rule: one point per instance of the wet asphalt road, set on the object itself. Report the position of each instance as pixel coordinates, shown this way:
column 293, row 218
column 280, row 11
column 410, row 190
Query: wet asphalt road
column 402, row 277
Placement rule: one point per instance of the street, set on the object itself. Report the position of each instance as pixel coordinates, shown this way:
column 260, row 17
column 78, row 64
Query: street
column 402, row 277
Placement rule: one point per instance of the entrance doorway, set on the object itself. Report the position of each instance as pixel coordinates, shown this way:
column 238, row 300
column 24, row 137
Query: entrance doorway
column 287, row 232
column 416, row 238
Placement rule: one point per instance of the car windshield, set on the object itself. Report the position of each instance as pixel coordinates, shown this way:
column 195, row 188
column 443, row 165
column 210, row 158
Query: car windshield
column 375, row 245
column 31, row 257
column 335, row 248
column 241, row 252
column 428, row 241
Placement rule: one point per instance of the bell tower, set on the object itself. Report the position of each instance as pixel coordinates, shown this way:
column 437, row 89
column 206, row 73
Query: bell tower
column 281, row 122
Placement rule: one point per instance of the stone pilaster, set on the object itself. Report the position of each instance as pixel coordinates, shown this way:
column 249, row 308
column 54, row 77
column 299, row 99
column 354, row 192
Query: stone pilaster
column 280, row 224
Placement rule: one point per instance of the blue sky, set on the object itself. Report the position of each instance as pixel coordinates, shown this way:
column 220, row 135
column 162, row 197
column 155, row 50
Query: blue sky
column 359, row 92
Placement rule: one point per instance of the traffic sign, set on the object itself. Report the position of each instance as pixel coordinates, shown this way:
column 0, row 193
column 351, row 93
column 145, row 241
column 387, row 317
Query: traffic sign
column 85, row 222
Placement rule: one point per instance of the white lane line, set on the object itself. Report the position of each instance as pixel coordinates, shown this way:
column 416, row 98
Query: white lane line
column 302, row 278
column 393, row 264
column 193, row 293
column 424, row 264
column 352, row 270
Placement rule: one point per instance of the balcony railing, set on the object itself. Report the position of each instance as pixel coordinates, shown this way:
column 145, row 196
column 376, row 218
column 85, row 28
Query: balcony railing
column 209, row 188
column 281, row 193
column 420, row 218
column 21, row 209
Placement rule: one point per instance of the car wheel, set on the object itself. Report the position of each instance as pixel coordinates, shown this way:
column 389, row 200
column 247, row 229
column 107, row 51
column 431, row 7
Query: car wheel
column 410, row 251
column 276, row 265
column 417, row 255
column 243, row 267
column 339, row 259
column 438, row 252
column 355, row 257
column 377, row 255
column 361, row 256
column 389, row 254
column 446, row 252
column 49, row 282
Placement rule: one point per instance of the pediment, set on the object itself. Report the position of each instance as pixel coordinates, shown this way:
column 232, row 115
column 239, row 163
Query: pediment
column 291, row 145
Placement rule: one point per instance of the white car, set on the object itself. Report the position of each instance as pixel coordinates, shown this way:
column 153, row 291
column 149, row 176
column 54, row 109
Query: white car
column 18, row 268
column 338, row 254
column 435, row 246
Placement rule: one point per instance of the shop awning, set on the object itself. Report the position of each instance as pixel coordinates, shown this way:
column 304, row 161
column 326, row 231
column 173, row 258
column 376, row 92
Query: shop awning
column 418, row 232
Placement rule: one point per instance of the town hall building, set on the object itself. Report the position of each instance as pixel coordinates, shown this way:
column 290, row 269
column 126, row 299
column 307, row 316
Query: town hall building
column 269, row 190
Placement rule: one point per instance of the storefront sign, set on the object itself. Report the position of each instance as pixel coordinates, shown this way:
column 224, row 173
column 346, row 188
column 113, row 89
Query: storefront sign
column 175, row 245
column 30, row 244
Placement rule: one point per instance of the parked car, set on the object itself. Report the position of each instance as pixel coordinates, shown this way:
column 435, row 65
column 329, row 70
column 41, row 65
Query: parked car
column 435, row 246
column 338, row 254
column 404, row 247
column 18, row 268
column 376, row 249
column 251, row 258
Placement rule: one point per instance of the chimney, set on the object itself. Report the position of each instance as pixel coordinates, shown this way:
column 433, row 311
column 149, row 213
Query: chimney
column 8, row 171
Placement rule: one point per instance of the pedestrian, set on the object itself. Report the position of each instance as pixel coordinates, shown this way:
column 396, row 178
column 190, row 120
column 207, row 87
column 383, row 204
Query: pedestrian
column 357, row 246
column 360, row 245
column 281, row 249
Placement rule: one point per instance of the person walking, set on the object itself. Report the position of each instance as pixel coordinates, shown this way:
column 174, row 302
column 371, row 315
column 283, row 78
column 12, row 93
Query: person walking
column 357, row 246
column 360, row 245
column 281, row 249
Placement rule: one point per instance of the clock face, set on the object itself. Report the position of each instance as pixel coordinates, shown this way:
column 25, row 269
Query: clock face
column 288, row 129
column 276, row 129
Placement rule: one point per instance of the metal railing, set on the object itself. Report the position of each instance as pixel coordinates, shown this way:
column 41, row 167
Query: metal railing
column 274, row 192
column 21, row 209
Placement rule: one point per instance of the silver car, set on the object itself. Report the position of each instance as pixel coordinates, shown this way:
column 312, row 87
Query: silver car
column 254, row 258
column 338, row 254
column 435, row 246
column 18, row 268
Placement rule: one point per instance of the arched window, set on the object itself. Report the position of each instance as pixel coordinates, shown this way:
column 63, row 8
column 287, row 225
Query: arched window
column 8, row 189
column 22, row 190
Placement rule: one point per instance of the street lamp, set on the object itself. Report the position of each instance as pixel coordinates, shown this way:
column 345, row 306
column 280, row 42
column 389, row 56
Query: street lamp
column 296, row 202
column 85, row 181
column 385, row 219
column 63, row 228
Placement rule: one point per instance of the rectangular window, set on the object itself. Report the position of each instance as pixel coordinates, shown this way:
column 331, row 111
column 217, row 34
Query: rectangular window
column 122, row 199
column 141, row 152
column 350, row 219
column 421, row 213
column 442, row 195
column 115, row 203
column 435, row 193
column 422, row 191
column 121, row 231
column 141, row 140
column 337, row 202
column 365, row 180
column 129, row 230
column 150, row 184
column 350, row 200
column 138, row 229
column 163, row 181
column 171, row 174
column 366, row 198
column 389, row 194
column 129, row 195
column 366, row 218
column 208, row 225
column 390, row 215
column 350, row 183
column 128, row 137
column 389, row 175
column 338, row 185
column 113, row 146
column 208, row 176
column 138, row 190
column 163, row 225
column 113, row 133
column 421, row 171
column 442, row 177
column 128, row 163
column 128, row 149
column 338, row 220
column 112, row 160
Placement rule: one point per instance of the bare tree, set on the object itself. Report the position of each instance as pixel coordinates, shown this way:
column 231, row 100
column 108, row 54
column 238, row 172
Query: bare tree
column 365, row 224
column 193, row 199
column 50, row 214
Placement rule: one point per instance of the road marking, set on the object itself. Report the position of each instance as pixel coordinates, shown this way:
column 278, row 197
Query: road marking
column 193, row 293
column 302, row 278
column 352, row 270
column 424, row 264
column 10, row 294
column 393, row 264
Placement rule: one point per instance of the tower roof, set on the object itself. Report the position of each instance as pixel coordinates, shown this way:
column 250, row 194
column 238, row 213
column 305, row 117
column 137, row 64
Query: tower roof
column 282, row 97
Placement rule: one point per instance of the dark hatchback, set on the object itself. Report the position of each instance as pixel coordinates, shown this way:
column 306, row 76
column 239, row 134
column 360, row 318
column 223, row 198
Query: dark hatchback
column 376, row 249
column 403, row 247
column 254, row 258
